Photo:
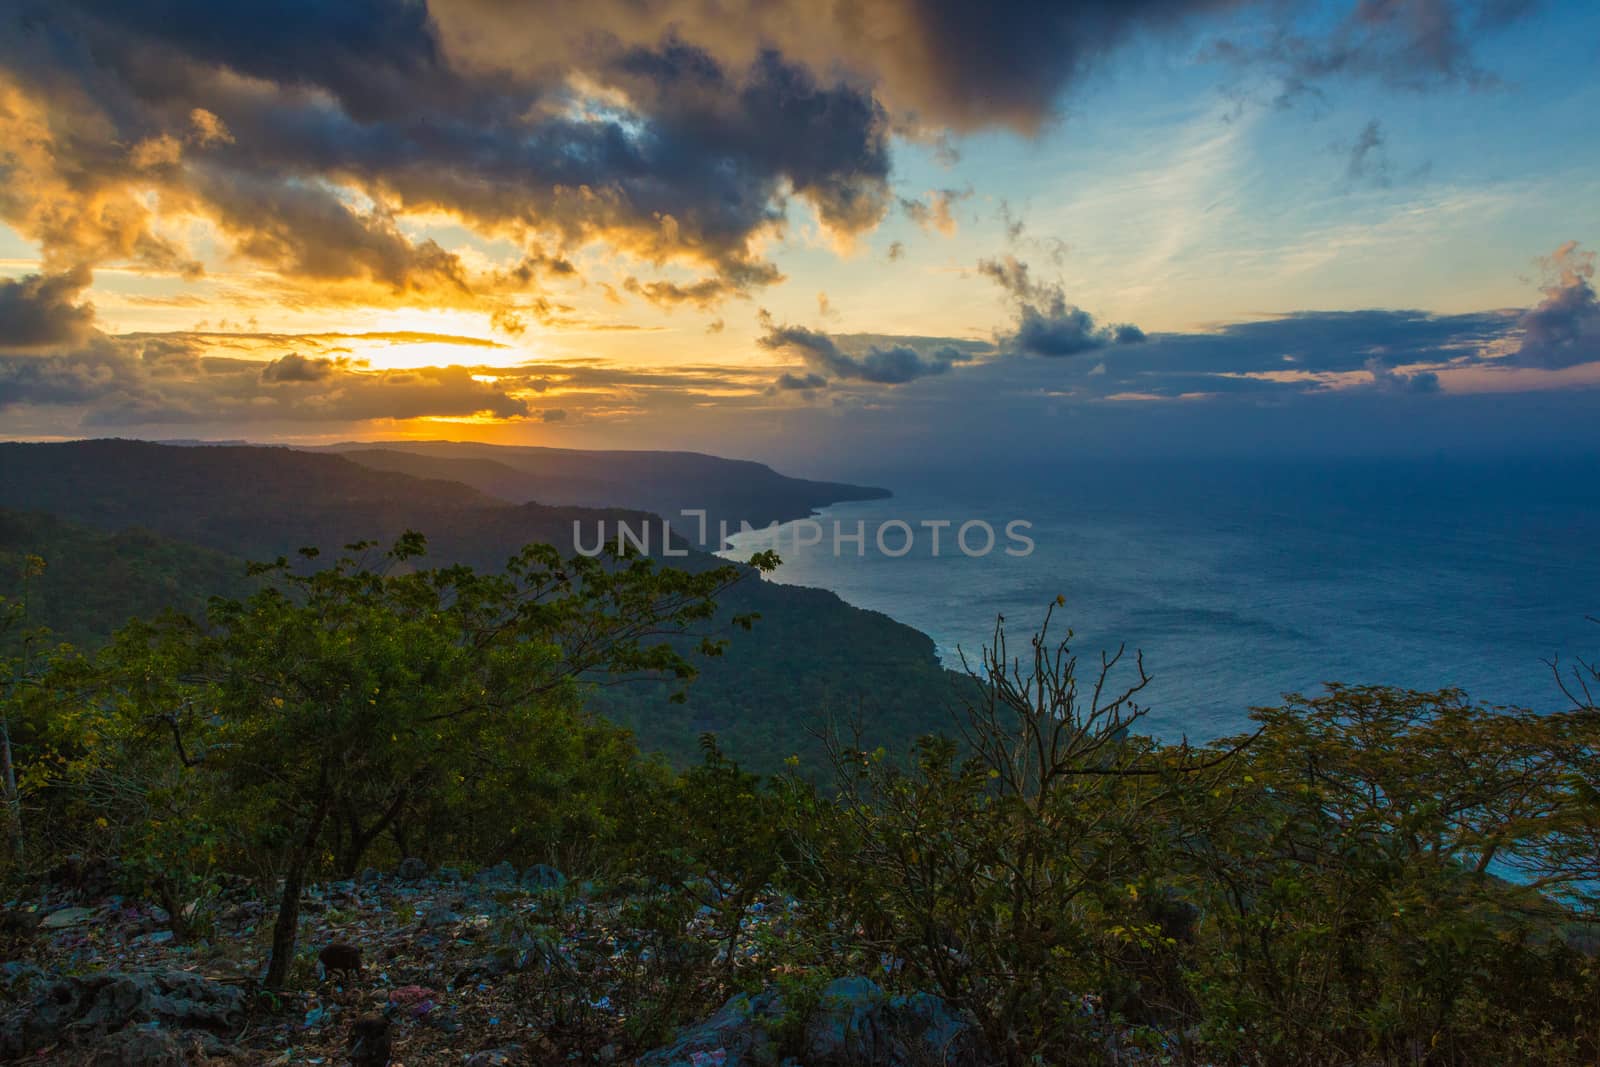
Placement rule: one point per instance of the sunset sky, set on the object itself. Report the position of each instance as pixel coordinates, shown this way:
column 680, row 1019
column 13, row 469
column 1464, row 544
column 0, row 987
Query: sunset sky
column 833, row 236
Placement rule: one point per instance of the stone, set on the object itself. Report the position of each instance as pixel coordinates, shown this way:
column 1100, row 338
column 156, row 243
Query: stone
column 369, row 876
column 494, row 1057
column 411, row 869
column 247, row 911
column 854, row 1024
column 440, row 915
column 19, row 979
column 542, row 877
column 857, row 1024
column 139, row 1048
column 502, row 873
column 738, row 1035
column 60, row 920
column 83, row 1008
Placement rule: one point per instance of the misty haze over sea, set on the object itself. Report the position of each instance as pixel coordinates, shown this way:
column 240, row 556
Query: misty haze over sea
column 1244, row 580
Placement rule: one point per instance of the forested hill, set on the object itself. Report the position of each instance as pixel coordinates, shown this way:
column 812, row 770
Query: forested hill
column 94, row 580
column 665, row 483
column 203, row 511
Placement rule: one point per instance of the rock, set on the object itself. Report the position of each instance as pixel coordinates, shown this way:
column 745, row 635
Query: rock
column 500, row 874
column 245, row 912
column 91, row 1006
column 440, row 915
column 157, row 937
column 738, row 1035
column 60, row 920
column 369, row 876
column 448, row 874
column 443, row 1020
column 855, row 1024
column 494, row 1057
column 542, row 877
column 19, row 980
column 139, row 1048
column 411, row 869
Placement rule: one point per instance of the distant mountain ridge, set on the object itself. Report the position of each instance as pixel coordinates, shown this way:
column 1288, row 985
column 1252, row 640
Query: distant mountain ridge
column 811, row 655
column 666, row 483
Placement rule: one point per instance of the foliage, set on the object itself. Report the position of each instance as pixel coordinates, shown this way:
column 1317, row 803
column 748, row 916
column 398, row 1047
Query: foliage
column 95, row 582
column 1375, row 876
column 1357, row 905
column 117, row 550
column 342, row 697
column 1014, row 874
column 714, row 837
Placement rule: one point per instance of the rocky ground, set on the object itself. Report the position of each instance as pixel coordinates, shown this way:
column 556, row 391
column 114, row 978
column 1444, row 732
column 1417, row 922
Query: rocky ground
column 500, row 969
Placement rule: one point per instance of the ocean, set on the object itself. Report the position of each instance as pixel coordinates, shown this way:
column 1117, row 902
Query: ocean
column 1242, row 581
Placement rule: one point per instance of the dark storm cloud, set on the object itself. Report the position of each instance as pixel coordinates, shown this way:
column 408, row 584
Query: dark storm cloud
column 308, row 232
column 668, row 130
column 1046, row 325
column 939, row 63
column 1310, row 352
column 1563, row 330
column 881, row 364
column 39, row 311
column 297, row 368
column 375, row 57
column 1326, row 342
column 1057, row 328
column 666, row 152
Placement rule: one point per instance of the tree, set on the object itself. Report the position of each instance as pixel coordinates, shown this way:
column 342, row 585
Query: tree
column 1023, row 867
column 1387, row 870
column 334, row 694
column 16, row 671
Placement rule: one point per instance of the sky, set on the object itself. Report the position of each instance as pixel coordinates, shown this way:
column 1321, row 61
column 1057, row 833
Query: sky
column 857, row 237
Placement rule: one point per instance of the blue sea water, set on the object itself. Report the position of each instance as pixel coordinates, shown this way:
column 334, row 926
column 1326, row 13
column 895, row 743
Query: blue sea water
column 1243, row 581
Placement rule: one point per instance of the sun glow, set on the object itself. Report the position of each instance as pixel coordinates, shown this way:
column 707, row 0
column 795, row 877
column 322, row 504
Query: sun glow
column 410, row 338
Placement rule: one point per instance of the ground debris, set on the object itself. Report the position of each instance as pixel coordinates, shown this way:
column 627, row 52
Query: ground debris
column 501, row 968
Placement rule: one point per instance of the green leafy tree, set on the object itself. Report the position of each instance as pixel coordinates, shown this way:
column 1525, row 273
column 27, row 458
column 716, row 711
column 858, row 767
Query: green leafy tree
column 1014, row 871
column 335, row 690
column 715, row 836
column 1386, row 871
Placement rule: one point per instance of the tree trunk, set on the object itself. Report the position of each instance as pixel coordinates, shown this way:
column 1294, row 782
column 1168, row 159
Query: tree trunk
column 13, row 801
column 286, row 930
column 354, row 848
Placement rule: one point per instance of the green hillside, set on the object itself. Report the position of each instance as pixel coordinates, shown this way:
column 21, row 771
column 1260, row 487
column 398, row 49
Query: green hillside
column 93, row 581
column 140, row 526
